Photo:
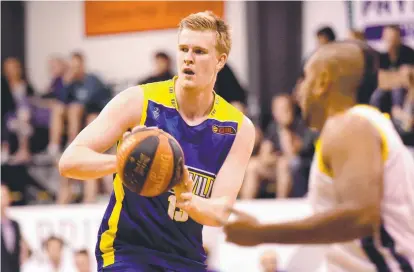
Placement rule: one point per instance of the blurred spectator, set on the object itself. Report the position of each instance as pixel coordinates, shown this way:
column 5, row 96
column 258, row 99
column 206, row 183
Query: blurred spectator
column 397, row 58
column 325, row 35
column 285, row 153
column 403, row 113
column 269, row 261
column 77, row 102
column 82, row 261
column 260, row 176
column 10, row 236
column 16, row 112
column 53, row 258
column 83, row 96
column 228, row 87
column 397, row 53
column 285, row 133
column 162, row 69
column 57, row 68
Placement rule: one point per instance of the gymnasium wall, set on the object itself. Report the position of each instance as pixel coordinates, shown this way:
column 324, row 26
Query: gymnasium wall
column 58, row 27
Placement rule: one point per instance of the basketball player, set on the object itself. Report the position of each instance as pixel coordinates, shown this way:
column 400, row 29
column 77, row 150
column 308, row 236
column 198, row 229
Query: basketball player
column 164, row 233
column 362, row 177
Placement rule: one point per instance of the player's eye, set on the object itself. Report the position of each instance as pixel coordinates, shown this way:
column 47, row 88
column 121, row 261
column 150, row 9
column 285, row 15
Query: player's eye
column 183, row 49
column 199, row 51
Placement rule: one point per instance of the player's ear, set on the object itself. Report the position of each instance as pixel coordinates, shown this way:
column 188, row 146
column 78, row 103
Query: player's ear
column 221, row 62
column 323, row 83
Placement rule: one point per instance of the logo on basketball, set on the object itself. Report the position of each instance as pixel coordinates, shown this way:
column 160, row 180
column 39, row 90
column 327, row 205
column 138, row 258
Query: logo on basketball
column 141, row 164
column 223, row 130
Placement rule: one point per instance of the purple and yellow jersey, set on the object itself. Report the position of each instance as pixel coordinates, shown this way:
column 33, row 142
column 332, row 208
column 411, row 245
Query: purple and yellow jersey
column 153, row 230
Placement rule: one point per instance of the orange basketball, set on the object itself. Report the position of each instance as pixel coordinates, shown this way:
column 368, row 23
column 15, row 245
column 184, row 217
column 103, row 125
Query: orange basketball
column 150, row 162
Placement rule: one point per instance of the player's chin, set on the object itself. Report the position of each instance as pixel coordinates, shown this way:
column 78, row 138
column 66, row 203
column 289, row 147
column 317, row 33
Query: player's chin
column 188, row 84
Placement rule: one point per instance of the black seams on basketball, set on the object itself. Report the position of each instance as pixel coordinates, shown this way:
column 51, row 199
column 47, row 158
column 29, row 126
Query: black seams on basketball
column 178, row 162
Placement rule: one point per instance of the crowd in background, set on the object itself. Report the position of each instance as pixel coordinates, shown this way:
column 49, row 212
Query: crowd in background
column 37, row 128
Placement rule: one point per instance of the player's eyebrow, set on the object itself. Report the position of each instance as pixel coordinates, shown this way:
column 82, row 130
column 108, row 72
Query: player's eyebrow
column 197, row 47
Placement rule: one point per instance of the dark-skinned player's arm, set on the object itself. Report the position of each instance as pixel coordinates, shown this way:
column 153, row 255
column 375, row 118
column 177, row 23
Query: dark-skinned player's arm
column 214, row 211
column 84, row 158
column 352, row 149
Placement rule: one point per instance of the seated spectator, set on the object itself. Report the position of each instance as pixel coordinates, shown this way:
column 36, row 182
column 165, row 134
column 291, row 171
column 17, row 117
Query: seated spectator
column 279, row 157
column 57, row 69
column 16, row 112
column 162, row 69
column 269, row 261
column 80, row 100
column 397, row 56
column 82, row 261
column 325, row 35
column 403, row 114
column 83, row 95
column 54, row 257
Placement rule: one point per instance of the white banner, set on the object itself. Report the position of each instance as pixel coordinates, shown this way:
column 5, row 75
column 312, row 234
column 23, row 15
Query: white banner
column 78, row 226
column 372, row 16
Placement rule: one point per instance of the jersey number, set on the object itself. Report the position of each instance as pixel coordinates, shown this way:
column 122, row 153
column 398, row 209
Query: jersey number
column 180, row 215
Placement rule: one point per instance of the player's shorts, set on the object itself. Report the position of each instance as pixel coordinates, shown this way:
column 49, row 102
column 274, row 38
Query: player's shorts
column 135, row 267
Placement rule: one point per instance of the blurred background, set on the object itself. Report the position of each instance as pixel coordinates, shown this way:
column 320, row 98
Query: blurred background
column 63, row 61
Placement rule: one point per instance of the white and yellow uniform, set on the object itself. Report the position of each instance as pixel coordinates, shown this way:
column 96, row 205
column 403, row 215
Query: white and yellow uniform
column 392, row 248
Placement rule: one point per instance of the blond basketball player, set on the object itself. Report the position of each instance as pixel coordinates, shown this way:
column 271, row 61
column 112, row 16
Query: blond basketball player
column 362, row 178
column 164, row 233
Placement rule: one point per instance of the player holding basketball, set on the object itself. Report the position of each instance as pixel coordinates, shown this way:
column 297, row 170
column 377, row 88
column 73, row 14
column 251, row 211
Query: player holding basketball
column 164, row 233
column 362, row 177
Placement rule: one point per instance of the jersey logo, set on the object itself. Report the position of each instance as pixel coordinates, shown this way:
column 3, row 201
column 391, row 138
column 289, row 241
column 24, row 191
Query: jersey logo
column 203, row 182
column 223, row 130
column 156, row 112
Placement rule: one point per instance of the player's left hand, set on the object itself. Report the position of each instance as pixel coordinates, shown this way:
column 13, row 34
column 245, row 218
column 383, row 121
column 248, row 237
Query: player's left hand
column 244, row 230
column 184, row 192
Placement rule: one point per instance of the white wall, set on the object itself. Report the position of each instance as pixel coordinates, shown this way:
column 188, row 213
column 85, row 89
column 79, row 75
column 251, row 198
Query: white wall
column 320, row 13
column 58, row 27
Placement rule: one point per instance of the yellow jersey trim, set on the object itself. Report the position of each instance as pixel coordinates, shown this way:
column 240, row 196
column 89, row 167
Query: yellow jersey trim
column 108, row 237
column 322, row 167
column 164, row 93
column 106, row 244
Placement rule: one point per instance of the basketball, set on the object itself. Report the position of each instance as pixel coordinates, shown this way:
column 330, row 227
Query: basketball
column 150, row 162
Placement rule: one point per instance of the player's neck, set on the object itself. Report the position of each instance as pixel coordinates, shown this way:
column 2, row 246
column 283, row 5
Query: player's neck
column 340, row 105
column 194, row 104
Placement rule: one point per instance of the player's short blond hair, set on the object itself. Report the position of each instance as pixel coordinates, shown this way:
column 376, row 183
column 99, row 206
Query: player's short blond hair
column 207, row 20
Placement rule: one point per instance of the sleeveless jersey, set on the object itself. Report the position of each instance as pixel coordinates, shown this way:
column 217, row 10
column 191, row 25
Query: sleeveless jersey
column 153, row 229
column 392, row 248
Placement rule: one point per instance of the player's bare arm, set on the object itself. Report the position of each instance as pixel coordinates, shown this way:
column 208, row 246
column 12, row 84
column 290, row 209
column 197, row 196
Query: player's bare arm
column 84, row 158
column 213, row 211
column 352, row 150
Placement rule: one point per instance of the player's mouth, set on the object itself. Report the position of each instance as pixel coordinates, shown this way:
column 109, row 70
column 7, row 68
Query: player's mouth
column 188, row 72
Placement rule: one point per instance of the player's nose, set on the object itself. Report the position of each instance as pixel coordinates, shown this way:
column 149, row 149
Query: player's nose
column 188, row 58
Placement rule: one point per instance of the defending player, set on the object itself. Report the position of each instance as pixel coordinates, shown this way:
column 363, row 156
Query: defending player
column 164, row 233
column 362, row 177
